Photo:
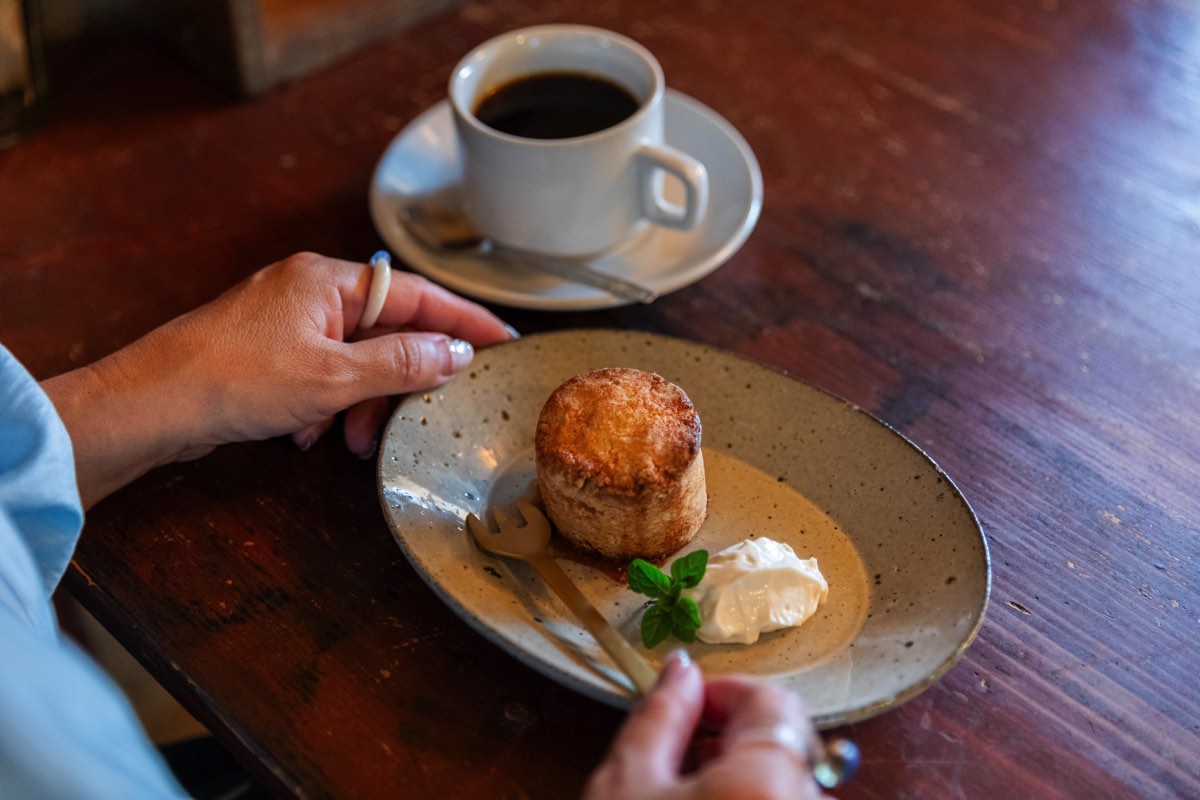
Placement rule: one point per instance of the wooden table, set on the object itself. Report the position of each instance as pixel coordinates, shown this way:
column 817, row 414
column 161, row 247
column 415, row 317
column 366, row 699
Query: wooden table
column 981, row 224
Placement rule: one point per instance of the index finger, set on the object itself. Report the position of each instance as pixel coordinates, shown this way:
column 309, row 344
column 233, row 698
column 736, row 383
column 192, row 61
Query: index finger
column 415, row 303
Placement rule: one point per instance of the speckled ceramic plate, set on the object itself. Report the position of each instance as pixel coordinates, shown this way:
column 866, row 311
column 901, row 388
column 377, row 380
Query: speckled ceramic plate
column 907, row 563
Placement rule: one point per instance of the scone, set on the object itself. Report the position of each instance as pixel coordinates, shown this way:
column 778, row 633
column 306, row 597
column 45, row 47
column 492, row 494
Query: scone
column 619, row 464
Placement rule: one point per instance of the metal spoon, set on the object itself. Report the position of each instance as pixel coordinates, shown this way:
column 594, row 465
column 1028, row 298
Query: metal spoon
column 440, row 225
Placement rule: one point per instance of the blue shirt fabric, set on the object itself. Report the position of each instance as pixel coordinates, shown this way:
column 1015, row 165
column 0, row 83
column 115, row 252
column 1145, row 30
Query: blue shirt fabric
column 66, row 731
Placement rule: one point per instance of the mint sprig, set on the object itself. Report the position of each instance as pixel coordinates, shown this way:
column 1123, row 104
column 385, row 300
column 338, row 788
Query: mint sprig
column 670, row 614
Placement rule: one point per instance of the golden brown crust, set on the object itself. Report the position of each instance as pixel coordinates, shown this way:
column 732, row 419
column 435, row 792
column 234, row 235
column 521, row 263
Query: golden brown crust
column 620, row 465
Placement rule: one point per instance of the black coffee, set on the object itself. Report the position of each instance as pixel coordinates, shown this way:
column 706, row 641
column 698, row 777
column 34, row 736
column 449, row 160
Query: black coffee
column 556, row 105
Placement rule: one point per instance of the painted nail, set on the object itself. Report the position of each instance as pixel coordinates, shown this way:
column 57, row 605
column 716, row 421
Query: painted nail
column 461, row 353
column 677, row 663
column 513, row 333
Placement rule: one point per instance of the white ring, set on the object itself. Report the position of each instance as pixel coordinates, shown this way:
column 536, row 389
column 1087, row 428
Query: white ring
column 381, row 279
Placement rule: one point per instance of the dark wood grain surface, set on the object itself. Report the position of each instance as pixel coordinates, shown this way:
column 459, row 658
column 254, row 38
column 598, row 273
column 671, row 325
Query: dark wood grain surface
column 981, row 223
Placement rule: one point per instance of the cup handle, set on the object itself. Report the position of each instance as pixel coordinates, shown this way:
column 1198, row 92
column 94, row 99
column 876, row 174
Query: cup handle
column 653, row 159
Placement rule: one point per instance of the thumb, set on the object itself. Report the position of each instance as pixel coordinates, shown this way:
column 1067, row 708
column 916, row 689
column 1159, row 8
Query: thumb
column 406, row 362
column 651, row 744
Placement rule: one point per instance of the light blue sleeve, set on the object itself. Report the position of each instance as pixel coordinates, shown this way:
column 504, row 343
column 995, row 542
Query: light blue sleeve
column 65, row 728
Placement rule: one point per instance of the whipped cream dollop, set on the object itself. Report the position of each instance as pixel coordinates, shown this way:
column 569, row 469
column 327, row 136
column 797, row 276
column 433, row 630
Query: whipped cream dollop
column 754, row 587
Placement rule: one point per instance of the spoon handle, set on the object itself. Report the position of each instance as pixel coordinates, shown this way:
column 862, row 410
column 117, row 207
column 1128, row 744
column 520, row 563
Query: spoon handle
column 578, row 272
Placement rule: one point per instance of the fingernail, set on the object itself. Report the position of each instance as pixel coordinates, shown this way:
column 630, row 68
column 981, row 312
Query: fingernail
column 307, row 442
column 513, row 333
column 678, row 662
column 461, row 353
column 371, row 452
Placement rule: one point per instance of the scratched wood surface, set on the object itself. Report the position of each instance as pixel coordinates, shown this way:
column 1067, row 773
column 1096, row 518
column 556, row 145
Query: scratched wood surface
column 981, row 224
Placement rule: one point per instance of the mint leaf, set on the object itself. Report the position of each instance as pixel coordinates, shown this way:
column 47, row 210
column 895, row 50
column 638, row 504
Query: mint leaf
column 670, row 614
column 647, row 579
column 685, row 619
column 688, row 571
column 686, row 613
column 656, row 625
column 684, row 633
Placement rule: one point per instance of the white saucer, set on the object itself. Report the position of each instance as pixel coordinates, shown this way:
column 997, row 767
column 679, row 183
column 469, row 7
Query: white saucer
column 424, row 159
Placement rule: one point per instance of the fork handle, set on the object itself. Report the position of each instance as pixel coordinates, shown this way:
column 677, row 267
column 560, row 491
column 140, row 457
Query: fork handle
column 628, row 659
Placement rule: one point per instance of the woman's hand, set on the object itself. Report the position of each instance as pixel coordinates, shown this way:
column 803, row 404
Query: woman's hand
column 646, row 758
column 277, row 354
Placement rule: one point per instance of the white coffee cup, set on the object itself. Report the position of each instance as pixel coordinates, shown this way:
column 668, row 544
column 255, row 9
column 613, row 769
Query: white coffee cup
column 570, row 196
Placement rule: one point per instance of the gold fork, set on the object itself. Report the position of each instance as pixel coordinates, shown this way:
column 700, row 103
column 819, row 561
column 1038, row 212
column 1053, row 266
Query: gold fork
column 529, row 543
